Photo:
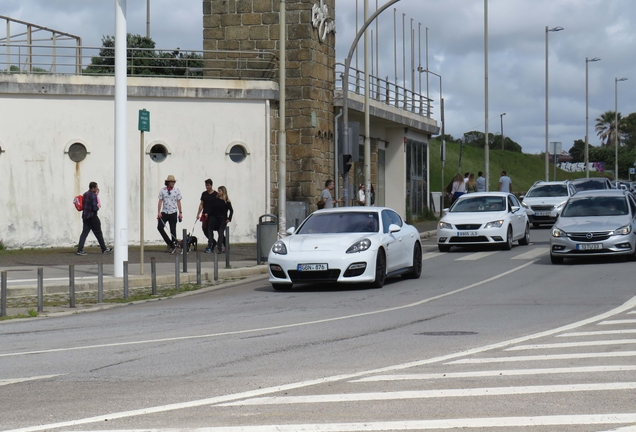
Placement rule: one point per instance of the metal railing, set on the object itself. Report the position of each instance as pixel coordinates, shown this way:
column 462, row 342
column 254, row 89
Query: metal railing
column 382, row 90
column 142, row 62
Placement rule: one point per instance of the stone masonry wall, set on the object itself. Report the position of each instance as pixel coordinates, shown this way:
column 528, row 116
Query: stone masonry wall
column 248, row 25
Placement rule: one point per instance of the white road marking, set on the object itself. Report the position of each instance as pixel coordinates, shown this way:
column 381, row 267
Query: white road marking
column 532, row 254
column 301, row 324
column 544, row 357
column 613, row 322
column 429, row 394
column 572, row 344
column 19, row 380
column 495, row 373
column 430, row 255
column 476, row 256
column 415, row 425
column 631, row 312
column 623, row 429
column 597, row 333
column 631, row 303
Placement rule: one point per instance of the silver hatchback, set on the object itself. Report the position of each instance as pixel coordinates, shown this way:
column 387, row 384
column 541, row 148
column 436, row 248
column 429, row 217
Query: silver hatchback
column 594, row 223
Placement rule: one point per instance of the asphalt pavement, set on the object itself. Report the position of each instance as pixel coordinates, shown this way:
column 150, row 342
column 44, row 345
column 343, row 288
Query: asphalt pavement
column 20, row 270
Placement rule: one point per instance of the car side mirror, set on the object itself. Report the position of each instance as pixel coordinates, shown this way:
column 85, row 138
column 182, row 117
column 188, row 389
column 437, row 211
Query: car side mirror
column 445, row 212
column 291, row 230
column 521, row 197
column 394, row 228
column 515, row 209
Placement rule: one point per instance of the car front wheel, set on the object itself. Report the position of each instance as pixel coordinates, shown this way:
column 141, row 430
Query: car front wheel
column 443, row 248
column 556, row 259
column 380, row 270
column 282, row 287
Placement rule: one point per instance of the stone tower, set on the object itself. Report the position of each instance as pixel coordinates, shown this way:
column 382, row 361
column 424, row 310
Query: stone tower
column 243, row 27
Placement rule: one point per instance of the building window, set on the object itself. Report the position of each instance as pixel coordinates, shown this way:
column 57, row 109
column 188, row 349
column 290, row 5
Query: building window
column 158, row 153
column 237, row 153
column 77, row 152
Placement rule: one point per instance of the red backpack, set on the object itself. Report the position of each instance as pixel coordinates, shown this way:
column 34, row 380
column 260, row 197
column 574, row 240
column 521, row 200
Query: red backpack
column 78, row 202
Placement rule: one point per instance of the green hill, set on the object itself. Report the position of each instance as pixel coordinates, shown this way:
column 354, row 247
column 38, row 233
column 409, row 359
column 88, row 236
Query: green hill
column 523, row 169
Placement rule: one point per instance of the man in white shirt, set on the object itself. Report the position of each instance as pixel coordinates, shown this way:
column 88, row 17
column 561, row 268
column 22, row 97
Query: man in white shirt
column 361, row 195
column 505, row 183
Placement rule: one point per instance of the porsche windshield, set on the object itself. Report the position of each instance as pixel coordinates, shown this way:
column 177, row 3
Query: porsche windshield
column 479, row 204
column 595, row 206
column 341, row 222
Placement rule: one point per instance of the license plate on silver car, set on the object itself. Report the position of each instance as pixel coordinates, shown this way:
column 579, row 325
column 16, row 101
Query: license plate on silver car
column 589, row 246
column 312, row 267
column 467, row 234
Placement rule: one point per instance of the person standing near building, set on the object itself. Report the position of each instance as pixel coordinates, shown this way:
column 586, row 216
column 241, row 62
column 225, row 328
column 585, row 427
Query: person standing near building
column 466, row 177
column 205, row 210
column 168, row 212
column 90, row 220
column 471, row 184
column 220, row 208
column 326, row 197
column 481, row 182
column 505, row 183
column 361, row 195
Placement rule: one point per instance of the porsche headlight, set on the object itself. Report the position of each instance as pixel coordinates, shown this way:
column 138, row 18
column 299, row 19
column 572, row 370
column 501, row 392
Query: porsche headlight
column 445, row 225
column 494, row 224
column 624, row 230
column 359, row 246
column 279, row 248
column 557, row 233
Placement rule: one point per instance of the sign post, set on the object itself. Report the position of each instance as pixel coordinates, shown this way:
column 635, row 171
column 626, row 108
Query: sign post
column 555, row 147
column 143, row 126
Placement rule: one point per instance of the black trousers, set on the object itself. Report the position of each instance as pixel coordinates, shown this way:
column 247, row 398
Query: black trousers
column 91, row 224
column 212, row 225
column 221, row 231
column 168, row 218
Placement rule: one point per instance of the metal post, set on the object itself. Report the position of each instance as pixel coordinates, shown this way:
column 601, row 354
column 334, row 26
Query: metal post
column 185, row 250
column 3, row 294
column 141, row 200
column 555, row 29
column 282, row 133
column 227, row 246
column 502, row 132
column 100, row 283
column 40, row 289
column 486, row 144
column 153, row 275
column 216, row 266
column 587, row 151
column 71, row 280
column 177, row 279
column 616, row 128
column 198, row 268
column 125, row 280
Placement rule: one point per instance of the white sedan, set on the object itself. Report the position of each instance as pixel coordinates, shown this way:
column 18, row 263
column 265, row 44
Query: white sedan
column 484, row 218
column 346, row 245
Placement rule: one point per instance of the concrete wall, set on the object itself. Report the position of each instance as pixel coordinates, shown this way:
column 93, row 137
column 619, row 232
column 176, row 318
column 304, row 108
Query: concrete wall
column 197, row 120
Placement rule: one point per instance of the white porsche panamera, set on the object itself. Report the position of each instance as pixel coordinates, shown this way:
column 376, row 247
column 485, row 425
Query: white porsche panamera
column 346, row 245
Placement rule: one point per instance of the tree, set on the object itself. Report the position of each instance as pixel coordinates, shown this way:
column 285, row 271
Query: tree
column 628, row 127
column 142, row 59
column 577, row 151
column 606, row 127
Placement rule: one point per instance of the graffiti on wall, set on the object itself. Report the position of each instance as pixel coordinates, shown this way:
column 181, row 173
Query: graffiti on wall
column 580, row 166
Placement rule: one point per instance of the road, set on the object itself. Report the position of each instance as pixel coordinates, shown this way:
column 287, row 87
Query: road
column 501, row 340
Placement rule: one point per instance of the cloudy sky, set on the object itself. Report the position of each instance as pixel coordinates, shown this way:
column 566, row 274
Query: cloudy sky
column 516, row 46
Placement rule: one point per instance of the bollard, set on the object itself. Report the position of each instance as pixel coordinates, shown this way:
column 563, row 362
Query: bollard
column 3, row 294
column 100, row 283
column 153, row 275
column 71, row 283
column 125, row 280
column 216, row 266
column 177, row 281
column 227, row 247
column 185, row 250
column 40, row 289
column 198, row 268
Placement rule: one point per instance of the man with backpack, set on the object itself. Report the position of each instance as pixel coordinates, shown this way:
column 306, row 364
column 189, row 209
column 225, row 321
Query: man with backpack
column 90, row 207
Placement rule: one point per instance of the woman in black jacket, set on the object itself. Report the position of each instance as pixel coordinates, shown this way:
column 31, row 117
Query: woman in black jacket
column 220, row 208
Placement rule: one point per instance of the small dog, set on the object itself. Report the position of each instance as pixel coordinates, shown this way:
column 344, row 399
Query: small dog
column 192, row 243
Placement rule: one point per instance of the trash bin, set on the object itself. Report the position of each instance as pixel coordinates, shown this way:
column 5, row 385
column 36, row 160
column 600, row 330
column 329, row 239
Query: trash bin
column 266, row 236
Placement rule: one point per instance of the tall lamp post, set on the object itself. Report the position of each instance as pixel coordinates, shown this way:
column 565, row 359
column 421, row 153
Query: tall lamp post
column 616, row 129
column 420, row 69
column 587, row 145
column 554, row 29
column 502, row 134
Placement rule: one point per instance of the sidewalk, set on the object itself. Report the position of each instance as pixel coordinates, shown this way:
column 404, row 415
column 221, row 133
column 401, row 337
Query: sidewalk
column 22, row 273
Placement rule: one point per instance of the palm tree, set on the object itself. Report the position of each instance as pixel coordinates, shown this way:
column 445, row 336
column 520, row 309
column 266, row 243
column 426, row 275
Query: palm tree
column 605, row 127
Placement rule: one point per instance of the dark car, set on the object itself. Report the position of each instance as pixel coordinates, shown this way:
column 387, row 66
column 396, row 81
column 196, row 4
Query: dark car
column 595, row 183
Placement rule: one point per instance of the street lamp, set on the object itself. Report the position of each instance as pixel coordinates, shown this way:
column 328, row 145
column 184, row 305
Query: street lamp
column 587, row 150
column 616, row 130
column 554, row 29
column 502, row 134
column 420, row 69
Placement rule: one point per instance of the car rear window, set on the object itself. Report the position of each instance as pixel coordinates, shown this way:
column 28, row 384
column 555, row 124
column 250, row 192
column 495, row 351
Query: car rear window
column 333, row 223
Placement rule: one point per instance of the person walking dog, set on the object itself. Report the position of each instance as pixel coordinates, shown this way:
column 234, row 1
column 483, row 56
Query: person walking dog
column 168, row 205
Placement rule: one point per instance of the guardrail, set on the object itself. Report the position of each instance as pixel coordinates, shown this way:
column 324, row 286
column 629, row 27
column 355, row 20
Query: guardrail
column 384, row 91
column 144, row 62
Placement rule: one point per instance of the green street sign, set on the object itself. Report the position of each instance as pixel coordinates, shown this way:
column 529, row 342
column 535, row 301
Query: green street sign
column 144, row 120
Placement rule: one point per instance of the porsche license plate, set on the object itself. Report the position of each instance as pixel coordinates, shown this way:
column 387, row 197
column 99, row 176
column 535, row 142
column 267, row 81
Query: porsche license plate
column 589, row 246
column 312, row 267
column 467, row 233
